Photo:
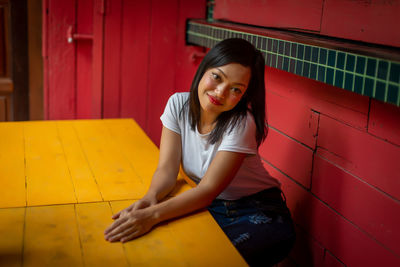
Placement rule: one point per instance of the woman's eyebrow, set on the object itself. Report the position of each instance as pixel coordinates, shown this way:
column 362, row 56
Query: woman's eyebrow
column 227, row 77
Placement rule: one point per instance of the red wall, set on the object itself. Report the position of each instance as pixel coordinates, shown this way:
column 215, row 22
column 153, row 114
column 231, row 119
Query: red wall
column 369, row 21
column 137, row 58
column 336, row 154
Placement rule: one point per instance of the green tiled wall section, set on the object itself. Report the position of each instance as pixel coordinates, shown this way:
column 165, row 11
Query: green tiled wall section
column 370, row 76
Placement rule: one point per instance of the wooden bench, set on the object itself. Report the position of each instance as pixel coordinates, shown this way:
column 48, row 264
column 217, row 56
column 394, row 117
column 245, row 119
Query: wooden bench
column 60, row 182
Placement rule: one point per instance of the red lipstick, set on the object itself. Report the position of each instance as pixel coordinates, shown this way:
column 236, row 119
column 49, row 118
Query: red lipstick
column 214, row 100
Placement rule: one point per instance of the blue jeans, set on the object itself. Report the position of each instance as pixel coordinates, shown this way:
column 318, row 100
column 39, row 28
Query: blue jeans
column 259, row 226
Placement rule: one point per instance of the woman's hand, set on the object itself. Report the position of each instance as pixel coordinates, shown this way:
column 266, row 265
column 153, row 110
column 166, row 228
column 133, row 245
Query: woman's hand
column 145, row 202
column 131, row 224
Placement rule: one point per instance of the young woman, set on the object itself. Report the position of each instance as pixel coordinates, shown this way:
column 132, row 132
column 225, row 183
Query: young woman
column 215, row 131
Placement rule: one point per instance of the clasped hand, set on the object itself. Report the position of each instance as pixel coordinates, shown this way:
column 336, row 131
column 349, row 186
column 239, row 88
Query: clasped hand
column 132, row 222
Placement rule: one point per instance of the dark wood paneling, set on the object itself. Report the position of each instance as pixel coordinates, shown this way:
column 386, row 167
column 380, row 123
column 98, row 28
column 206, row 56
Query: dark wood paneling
column 35, row 60
column 20, row 71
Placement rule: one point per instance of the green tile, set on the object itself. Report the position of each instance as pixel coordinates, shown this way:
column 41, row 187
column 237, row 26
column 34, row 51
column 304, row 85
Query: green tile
column 286, row 64
column 358, row 84
column 360, row 65
column 293, row 52
column 269, row 44
column 306, row 69
column 300, row 51
column 348, row 81
column 322, row 56
column 314, row 54
column 369, row 87
column 340, row 60
column 273, row 60
column 313, row 71
column 321, row 73
column 371, row 66
column 393, row 93
column 280, row 62
column 350, row 63
column 287, row 49
column 264, row 44
column 307, row 53
column 329, row 76
column 380, row 91
column 292, row 65
column 274, row 46
column 331, row 58
column 299, row 66
column 339, row 78
column 280, row 47
column 382, row 69
column 394, row 72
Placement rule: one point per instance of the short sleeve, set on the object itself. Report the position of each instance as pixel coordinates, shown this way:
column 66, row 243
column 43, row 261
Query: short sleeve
column 170, row 117
column 242, row 138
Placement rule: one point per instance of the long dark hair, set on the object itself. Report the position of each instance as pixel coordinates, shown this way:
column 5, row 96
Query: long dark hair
column 233, row 51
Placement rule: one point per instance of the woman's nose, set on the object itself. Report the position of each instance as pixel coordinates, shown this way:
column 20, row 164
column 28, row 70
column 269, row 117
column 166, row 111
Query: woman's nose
column 221, row 90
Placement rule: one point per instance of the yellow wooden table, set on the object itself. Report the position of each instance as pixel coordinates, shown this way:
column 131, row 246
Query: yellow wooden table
column 60, row 182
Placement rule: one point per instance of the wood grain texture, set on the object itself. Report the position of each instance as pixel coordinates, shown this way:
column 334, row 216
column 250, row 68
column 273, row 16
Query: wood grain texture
column 84, row 58
column 360, row 203
column 326, row 99
column 292, row 14
column 61, row 61
column 368, row 21
column 295, row 120
column 371, row 159
column 290, row 156
column 52, row 232
column 343, row 239
column 12, row 167
column 11, row 238
column 384, row 121
column 48, row 179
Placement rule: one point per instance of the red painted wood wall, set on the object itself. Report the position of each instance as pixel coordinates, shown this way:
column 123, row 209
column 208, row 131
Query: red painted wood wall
column 336, row 153
column 136, row 59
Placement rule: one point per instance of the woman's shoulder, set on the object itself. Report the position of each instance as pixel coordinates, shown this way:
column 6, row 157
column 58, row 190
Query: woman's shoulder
column 180, row 97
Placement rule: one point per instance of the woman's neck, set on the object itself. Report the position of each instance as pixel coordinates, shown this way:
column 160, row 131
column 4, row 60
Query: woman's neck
column 207, row 122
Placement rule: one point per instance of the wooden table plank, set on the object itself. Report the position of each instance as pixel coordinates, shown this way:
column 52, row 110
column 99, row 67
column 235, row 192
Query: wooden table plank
column 47, row 174
column 86, row 188
column 136, row 147
column 93, row 218
column 202, row 239
column 11, row 237
column 157, row 248
column 113, row 172
column 52, row 237
column 12, row 165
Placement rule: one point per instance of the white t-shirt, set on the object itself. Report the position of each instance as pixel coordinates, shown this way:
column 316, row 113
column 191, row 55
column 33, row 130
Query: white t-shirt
column 197, row 153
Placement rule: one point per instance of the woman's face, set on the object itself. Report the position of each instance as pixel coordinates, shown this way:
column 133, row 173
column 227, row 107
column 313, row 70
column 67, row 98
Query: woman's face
column 221, row 88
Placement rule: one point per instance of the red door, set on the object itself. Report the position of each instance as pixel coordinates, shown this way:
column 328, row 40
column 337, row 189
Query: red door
column 72, row 48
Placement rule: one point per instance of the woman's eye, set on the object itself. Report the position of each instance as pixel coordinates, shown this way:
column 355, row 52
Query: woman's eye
column 215, row 76
column 236, row 90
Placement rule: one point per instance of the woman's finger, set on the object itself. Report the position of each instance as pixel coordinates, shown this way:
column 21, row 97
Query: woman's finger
column 120, row 230
column 120, row 235
column 131, row 236
column 115, row 224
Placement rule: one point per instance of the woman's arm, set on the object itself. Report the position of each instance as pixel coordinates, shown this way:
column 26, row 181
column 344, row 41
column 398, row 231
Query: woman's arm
column 164, row 178
column 219, row 174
